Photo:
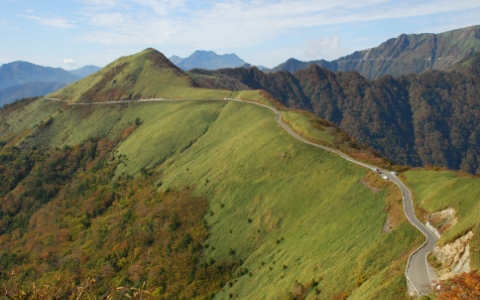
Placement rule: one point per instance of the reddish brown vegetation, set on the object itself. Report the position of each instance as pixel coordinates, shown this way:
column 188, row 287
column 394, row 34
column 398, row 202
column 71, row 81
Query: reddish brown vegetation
column 465, row 286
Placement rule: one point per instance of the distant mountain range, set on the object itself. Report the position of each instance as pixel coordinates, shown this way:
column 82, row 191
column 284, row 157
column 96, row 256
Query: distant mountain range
column 21, row 72
column 207, row 60
column 22, row 79
column 407, row 54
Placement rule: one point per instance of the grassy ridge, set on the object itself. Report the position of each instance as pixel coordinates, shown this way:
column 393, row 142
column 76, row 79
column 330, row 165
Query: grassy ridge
column 289, row 211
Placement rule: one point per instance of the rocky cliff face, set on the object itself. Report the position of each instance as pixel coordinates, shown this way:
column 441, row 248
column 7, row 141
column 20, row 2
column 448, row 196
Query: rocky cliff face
column 454, row 257
column 441, row 221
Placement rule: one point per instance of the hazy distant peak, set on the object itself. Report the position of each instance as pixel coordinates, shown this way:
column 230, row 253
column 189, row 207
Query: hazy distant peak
column 21, row 72
column 209, row 60
column 175, row 59
column 85, row 71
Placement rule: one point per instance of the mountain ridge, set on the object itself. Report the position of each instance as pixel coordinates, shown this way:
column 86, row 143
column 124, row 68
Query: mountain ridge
column 408, row 53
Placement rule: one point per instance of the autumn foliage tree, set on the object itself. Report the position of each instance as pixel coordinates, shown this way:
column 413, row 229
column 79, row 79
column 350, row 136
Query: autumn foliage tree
column 463, row 286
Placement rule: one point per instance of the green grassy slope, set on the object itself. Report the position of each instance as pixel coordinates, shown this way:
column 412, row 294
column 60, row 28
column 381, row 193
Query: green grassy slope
column 301, row 123
column 437, row 190
column 147, row 74
column 289, row 211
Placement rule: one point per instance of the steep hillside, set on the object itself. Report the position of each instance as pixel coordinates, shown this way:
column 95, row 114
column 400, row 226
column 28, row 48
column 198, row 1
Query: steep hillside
column 449, row 202
column 128, row 182
column 417, row 120
column 208, row 60
column 20, row 72
column 148, row 74
column 409, row 53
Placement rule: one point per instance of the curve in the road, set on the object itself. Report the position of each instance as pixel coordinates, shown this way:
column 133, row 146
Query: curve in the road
column 417, row 269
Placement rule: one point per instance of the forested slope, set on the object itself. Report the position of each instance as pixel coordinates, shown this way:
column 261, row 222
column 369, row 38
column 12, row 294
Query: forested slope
column 425, row 119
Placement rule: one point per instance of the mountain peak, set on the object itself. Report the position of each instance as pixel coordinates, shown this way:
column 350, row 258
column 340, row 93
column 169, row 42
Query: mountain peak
column 147, row 74
column 157, row 58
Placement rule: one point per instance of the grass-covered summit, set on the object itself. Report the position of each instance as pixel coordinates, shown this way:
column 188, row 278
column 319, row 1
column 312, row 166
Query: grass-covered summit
column 148, row 74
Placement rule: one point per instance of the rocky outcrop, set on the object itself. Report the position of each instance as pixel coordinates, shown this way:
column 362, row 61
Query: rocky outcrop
column 388, row 225
column 441, row 221
column 454, row 257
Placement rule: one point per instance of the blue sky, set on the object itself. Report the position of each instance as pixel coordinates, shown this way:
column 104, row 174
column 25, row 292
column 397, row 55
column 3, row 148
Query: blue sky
column 73, row 33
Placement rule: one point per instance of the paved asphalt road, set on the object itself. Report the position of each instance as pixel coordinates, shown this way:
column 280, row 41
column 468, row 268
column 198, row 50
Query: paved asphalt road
column 417, row 271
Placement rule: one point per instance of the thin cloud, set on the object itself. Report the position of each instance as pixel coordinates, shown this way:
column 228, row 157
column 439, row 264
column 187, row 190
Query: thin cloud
column 66, row 62
column 325, row 48
column 223, row 23
column 164, row 8
column 6, row 25
column 51, row 21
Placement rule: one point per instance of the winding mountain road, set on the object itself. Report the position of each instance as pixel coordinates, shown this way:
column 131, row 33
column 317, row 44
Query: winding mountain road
column 417, row 271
